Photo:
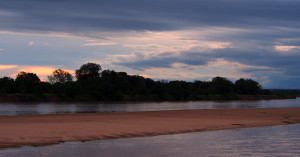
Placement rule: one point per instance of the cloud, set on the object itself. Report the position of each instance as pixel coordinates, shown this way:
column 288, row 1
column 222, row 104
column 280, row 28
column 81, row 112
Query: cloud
column 255, row 38
column 99, row 44
column 258, row 63
column 220, row 67
column 37, row 33
column 31, row 43
column 8, row 14
column 45, row 43
column 268, row 57
column 142, row 15
column 288, row 49
column 1, row 49
column 4, row 67
column 48, row 49
column 254, row 51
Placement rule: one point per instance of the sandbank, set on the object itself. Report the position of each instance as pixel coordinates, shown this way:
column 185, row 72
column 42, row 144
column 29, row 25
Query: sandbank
column 37, row 130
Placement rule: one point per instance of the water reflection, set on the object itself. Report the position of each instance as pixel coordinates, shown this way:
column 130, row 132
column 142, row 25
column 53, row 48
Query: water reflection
column 12, row 109
column 264, row 141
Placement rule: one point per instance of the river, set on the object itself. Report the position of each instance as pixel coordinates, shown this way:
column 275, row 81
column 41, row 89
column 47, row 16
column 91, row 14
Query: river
column 13, row 109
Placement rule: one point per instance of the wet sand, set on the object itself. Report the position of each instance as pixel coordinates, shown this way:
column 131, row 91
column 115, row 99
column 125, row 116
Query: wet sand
column 51, row 129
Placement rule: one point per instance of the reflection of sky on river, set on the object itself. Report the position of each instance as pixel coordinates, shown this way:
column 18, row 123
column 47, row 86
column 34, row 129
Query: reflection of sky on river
column 263, row 141
column 12, row 109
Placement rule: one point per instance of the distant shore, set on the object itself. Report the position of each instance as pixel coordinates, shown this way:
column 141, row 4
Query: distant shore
column 37, row 130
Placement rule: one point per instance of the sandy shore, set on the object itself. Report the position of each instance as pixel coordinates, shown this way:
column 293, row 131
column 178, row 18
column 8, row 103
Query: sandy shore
column 50, row 129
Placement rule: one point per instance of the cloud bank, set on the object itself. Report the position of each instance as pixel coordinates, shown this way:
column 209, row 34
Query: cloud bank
column 155, row 15
column 186, row 39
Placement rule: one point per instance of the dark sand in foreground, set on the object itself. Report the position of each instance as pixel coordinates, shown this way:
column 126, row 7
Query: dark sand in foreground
column 50, row 129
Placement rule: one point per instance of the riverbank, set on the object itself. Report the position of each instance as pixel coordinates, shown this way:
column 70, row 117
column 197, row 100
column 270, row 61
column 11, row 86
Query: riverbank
column 51, row 129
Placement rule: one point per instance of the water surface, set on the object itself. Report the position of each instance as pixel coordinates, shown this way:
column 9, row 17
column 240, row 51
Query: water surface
column 12, row 109
column 263, row 141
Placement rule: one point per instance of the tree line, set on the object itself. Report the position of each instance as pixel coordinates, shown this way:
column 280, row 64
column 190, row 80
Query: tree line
column 93, row 83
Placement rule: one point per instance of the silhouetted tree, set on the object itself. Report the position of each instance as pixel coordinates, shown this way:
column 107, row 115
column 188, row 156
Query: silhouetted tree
column 60, row 76
column 94, row 84
column 6, row 85
column 222, row 85
column 202, row 88
column 26, row 82
column 88, row 71
column 247, row 86
column 43, row 88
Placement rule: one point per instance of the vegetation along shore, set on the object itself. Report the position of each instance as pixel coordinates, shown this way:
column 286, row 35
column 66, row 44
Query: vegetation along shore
column 93, row 84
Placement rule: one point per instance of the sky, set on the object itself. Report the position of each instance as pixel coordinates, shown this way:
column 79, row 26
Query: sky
column 159, row 39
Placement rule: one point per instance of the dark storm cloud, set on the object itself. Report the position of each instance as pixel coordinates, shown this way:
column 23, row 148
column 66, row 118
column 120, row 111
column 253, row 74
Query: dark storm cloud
column 95, row 15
